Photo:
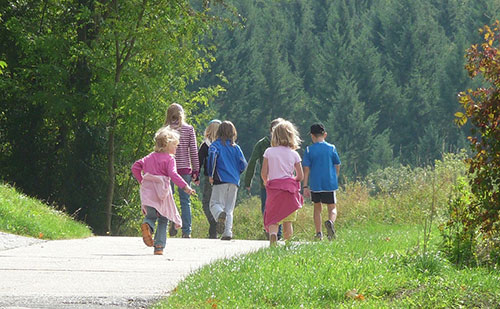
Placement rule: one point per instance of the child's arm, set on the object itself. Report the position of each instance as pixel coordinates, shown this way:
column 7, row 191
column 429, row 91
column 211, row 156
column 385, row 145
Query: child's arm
column 137, row 170
column 307, row 191
column 193, row 152
column 299, row 173
column 171, row 171
column 264, row 172
column 212, row 159
column 251, row 166
column 242, row 161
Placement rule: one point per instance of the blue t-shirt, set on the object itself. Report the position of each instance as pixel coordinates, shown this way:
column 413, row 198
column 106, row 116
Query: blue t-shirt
column 321, row 159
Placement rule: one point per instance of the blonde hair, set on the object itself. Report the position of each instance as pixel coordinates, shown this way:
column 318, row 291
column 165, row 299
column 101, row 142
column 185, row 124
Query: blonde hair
column 211, row 130
column 274, row 122
column 165, row 136
column 227, row 131
column 175, row 115
column 285, row 134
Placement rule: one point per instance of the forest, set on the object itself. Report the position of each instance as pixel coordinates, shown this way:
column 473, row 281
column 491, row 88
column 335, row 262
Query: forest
column 86, row 83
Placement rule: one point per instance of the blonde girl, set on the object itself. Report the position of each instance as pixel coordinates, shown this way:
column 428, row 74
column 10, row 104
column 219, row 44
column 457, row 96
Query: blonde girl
column 210, row 136
column 186, row 158
column 281, row 173
column 153, row 172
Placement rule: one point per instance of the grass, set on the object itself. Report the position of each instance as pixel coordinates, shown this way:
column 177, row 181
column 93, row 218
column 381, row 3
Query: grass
column 26, row 216
column 377, row 261
column 372, row 266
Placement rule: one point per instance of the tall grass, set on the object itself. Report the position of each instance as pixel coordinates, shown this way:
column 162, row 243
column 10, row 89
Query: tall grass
column 392, row 195
column 23, row 215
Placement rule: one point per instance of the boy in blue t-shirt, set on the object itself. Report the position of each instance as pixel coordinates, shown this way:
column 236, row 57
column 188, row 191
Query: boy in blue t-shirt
column 321, row 164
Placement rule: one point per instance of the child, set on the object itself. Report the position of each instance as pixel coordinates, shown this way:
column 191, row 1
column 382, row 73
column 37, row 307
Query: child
column 225, row 164
column 210, row 137
column 321, row 170
column 257, row 154
column 186, row 159
column 154, row 172
column 282, row 186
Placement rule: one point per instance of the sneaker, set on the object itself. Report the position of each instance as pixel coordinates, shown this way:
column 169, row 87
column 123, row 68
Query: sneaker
column 186, row 235
column 146, row 234
column 158, row 250
column 273, row 240
column 226, row 238
column 172, row 231
column 330, row 228
column 221, row 222
column 318, row 236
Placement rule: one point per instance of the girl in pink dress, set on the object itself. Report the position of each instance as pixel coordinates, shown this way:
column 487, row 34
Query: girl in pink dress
column 154, row 172
column 282, row 173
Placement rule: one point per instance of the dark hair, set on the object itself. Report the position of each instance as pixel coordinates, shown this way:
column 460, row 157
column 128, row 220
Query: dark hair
column 317, row 129
column 227, row 131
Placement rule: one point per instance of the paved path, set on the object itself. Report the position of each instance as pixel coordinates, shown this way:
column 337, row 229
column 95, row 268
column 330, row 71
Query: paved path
column 103, row 272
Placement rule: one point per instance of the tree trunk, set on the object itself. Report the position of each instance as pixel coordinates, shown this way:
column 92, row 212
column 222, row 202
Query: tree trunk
column 111, row 178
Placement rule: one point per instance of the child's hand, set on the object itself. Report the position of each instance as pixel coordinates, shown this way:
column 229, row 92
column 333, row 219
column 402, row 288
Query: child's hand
column 307, row 192
column 211, row 180
column 189, row 190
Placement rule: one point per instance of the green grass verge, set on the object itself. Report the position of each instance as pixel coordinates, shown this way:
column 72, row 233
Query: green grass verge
column 377, row 260
column 26, row 216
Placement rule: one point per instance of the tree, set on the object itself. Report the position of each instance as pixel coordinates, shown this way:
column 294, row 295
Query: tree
column 88, row 83
column 482, row 109
column 145, row 55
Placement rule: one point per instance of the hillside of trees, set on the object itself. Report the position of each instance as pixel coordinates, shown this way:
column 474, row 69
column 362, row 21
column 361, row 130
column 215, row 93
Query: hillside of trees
column 383, row 76
column 86, row 83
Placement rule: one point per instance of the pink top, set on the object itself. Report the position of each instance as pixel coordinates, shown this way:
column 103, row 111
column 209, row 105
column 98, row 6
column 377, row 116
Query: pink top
column 158, row 163
column 281, row 161
column 186, row 156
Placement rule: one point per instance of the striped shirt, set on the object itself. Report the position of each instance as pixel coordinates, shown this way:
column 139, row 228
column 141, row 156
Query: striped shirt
column 186, row 156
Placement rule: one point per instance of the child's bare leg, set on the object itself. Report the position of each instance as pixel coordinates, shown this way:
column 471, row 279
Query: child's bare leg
column 332, row 212
column 273, row 234
column 273, row 229
column 287, row 230
column 317, row 217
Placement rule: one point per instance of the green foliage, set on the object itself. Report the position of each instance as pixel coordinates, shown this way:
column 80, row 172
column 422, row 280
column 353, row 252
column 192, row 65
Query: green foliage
column 23, row 215
column 3, row 65
column 87, row 86
column 482, row 109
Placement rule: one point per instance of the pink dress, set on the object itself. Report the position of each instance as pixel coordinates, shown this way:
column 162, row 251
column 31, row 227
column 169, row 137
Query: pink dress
column 283, row 191
column 283, row 198
column 154, row 172
column 157, row 193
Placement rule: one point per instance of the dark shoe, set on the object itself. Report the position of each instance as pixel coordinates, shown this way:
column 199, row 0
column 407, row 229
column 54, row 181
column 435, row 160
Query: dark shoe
column 186, row 235
column 319, row 236
column 158, row 250
column 330, row 229
column 146, row 234
column 226, row 238
column 172, row 231
column 273, row 240
column 221, row 222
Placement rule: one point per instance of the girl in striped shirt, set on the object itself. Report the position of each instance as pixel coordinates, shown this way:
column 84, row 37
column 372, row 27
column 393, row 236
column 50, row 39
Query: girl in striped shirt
column 186, row 158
